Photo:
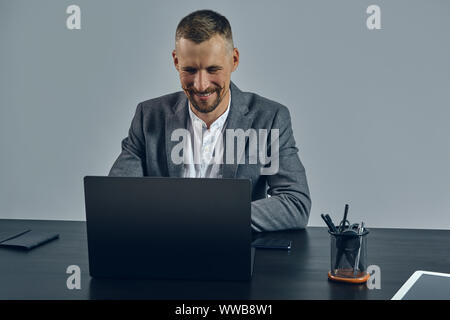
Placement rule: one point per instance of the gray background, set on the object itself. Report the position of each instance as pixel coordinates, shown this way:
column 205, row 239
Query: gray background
column 370, row 109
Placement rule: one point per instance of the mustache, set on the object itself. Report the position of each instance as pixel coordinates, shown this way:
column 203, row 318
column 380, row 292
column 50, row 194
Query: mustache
column 191, row 90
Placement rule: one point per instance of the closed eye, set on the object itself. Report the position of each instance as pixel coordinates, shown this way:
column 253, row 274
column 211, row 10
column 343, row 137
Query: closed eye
column 190, row 70
column 213, row 69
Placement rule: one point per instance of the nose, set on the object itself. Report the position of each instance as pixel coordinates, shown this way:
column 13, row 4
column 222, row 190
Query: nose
column 201, row 81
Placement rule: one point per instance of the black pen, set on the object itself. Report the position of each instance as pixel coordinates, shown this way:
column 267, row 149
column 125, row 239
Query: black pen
column 327, row 222
column 342, row 224
column 356, row 265
column 333, row 227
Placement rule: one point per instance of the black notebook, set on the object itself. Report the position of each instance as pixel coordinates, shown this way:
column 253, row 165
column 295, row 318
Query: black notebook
column 10, row 234
column 26, row 239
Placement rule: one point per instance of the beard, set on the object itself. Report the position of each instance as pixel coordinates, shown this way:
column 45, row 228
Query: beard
column 205, row 106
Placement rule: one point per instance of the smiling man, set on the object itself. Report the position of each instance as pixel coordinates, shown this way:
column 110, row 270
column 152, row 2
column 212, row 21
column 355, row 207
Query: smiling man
column 209, row 108
column 205, row 62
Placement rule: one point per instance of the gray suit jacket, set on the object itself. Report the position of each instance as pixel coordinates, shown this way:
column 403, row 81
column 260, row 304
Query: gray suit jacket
column 147, row 152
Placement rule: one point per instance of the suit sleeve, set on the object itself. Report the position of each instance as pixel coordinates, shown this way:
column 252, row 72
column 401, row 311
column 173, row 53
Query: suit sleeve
column 289, row 204
column 131, row 161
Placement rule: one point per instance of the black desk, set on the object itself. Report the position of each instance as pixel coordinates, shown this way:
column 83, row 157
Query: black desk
column 298, row 274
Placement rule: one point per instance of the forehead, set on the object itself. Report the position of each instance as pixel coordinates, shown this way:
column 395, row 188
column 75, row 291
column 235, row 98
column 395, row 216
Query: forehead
column 212, row 51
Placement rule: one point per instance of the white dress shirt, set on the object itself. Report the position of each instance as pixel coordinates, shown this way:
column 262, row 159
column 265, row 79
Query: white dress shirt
column 205, row 146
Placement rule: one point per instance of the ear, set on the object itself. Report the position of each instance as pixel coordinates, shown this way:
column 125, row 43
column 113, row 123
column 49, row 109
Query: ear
column 235, row 58
column 175, row 59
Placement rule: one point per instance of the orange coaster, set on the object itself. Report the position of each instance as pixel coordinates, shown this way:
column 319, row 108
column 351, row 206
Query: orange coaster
column 350, row 279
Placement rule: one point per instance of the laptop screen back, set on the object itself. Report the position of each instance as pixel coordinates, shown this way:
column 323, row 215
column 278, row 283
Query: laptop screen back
column 168, row 227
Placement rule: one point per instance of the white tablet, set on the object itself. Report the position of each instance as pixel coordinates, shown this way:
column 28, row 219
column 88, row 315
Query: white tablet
column 425, row 285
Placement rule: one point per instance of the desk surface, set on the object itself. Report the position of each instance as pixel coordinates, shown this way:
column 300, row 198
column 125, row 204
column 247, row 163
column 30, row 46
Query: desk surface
column 300, row 273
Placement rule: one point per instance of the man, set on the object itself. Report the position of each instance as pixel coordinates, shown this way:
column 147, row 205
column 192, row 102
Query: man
column 209, row 106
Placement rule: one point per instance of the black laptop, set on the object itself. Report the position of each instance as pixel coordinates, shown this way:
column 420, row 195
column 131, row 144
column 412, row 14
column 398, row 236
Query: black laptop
column 169, row 228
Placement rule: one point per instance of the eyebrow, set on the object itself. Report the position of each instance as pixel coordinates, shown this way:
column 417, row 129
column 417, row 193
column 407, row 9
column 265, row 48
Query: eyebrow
column 209, row 67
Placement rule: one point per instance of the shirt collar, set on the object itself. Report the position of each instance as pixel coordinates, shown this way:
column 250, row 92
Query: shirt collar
column 218, row 123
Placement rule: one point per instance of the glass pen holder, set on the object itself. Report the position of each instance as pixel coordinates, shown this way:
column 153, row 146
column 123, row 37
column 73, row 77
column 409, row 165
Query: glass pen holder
column 349, row 257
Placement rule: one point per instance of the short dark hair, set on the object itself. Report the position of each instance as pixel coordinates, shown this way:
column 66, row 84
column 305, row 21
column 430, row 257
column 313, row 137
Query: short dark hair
column 202, row 25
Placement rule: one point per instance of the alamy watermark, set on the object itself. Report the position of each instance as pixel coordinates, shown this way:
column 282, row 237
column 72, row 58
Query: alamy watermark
column 373, row 22
column 74, row 280
column 235, row 143
column 374, row 281
column 73, row 21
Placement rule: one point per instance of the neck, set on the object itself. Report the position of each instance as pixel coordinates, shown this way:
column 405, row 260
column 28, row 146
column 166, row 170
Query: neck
column 212, row 116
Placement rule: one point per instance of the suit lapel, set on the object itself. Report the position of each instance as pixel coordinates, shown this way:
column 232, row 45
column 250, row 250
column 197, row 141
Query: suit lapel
column 236, row 120
column 175, row 120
